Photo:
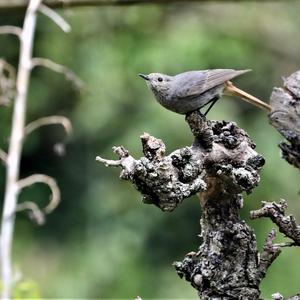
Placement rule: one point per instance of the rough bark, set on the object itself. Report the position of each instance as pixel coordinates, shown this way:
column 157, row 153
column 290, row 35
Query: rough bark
column 221, row 164
column 285, row 117
column 227, row 262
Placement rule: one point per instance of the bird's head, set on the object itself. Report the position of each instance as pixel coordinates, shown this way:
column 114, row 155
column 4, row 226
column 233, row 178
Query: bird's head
column 158, row 83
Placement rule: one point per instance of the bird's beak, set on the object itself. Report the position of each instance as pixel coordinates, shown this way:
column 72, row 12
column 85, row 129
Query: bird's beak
column 144, row 76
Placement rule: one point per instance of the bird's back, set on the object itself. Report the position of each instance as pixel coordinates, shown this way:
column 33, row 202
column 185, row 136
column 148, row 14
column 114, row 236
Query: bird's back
column 194, row 89
column 193, row 83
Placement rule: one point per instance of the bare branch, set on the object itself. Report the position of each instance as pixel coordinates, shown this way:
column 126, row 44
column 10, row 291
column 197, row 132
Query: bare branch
column 55, row 196
column 275, row 211
column 16, row 144
column 21, row 4
column 3, row 156
column 59, row 120
column 69, row 74
column 55, row 17
column 14, row 30
column 35, row 213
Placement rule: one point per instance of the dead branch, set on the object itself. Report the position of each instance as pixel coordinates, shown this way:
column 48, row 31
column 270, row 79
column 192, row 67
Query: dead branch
column 52, row 120
column 55, row 17
column 41, row 178
column 275, row 211
column 69, row 74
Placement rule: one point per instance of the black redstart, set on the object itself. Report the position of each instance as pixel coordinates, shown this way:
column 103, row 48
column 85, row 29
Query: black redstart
column 189, row 91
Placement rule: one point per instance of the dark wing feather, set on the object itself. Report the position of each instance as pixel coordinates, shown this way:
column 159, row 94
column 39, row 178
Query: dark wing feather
column 194, row 83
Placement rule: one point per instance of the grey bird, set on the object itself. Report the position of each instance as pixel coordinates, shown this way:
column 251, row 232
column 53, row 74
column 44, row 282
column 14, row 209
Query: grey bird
column 190, row 91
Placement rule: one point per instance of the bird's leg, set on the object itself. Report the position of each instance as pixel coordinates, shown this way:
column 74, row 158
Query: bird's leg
column 212, row 103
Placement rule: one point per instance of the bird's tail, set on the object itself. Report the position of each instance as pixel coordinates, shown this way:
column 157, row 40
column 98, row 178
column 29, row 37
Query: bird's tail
column 232, row 90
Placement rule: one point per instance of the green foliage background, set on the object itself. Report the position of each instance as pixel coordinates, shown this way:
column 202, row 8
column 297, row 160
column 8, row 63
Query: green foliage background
column 102, row 242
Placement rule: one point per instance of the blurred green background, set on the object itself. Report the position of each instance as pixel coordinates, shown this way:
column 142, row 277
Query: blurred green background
column 102, row 242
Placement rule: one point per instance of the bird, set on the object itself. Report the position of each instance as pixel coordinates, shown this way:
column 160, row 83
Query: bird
column 190, row 91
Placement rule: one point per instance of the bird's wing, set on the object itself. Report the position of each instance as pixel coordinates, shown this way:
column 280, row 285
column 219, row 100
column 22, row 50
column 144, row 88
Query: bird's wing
column 193, row 83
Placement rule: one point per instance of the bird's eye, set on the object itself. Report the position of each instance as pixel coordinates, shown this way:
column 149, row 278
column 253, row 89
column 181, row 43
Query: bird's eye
column 159, row 79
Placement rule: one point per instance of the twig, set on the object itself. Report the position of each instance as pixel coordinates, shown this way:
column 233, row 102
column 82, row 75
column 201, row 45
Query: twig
column 35, row 213
column 108, row 162
column 69, row 74
column 275, row 211
column 14, row 30
column 269, row 254
column 59, row 120
column 36, row 178
column 3, row 156
column 55, row 17
column 16, row 144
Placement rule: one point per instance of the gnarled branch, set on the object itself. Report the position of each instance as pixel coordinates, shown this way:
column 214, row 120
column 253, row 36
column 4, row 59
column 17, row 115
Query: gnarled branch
column 221, row 164
column 275, row 211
